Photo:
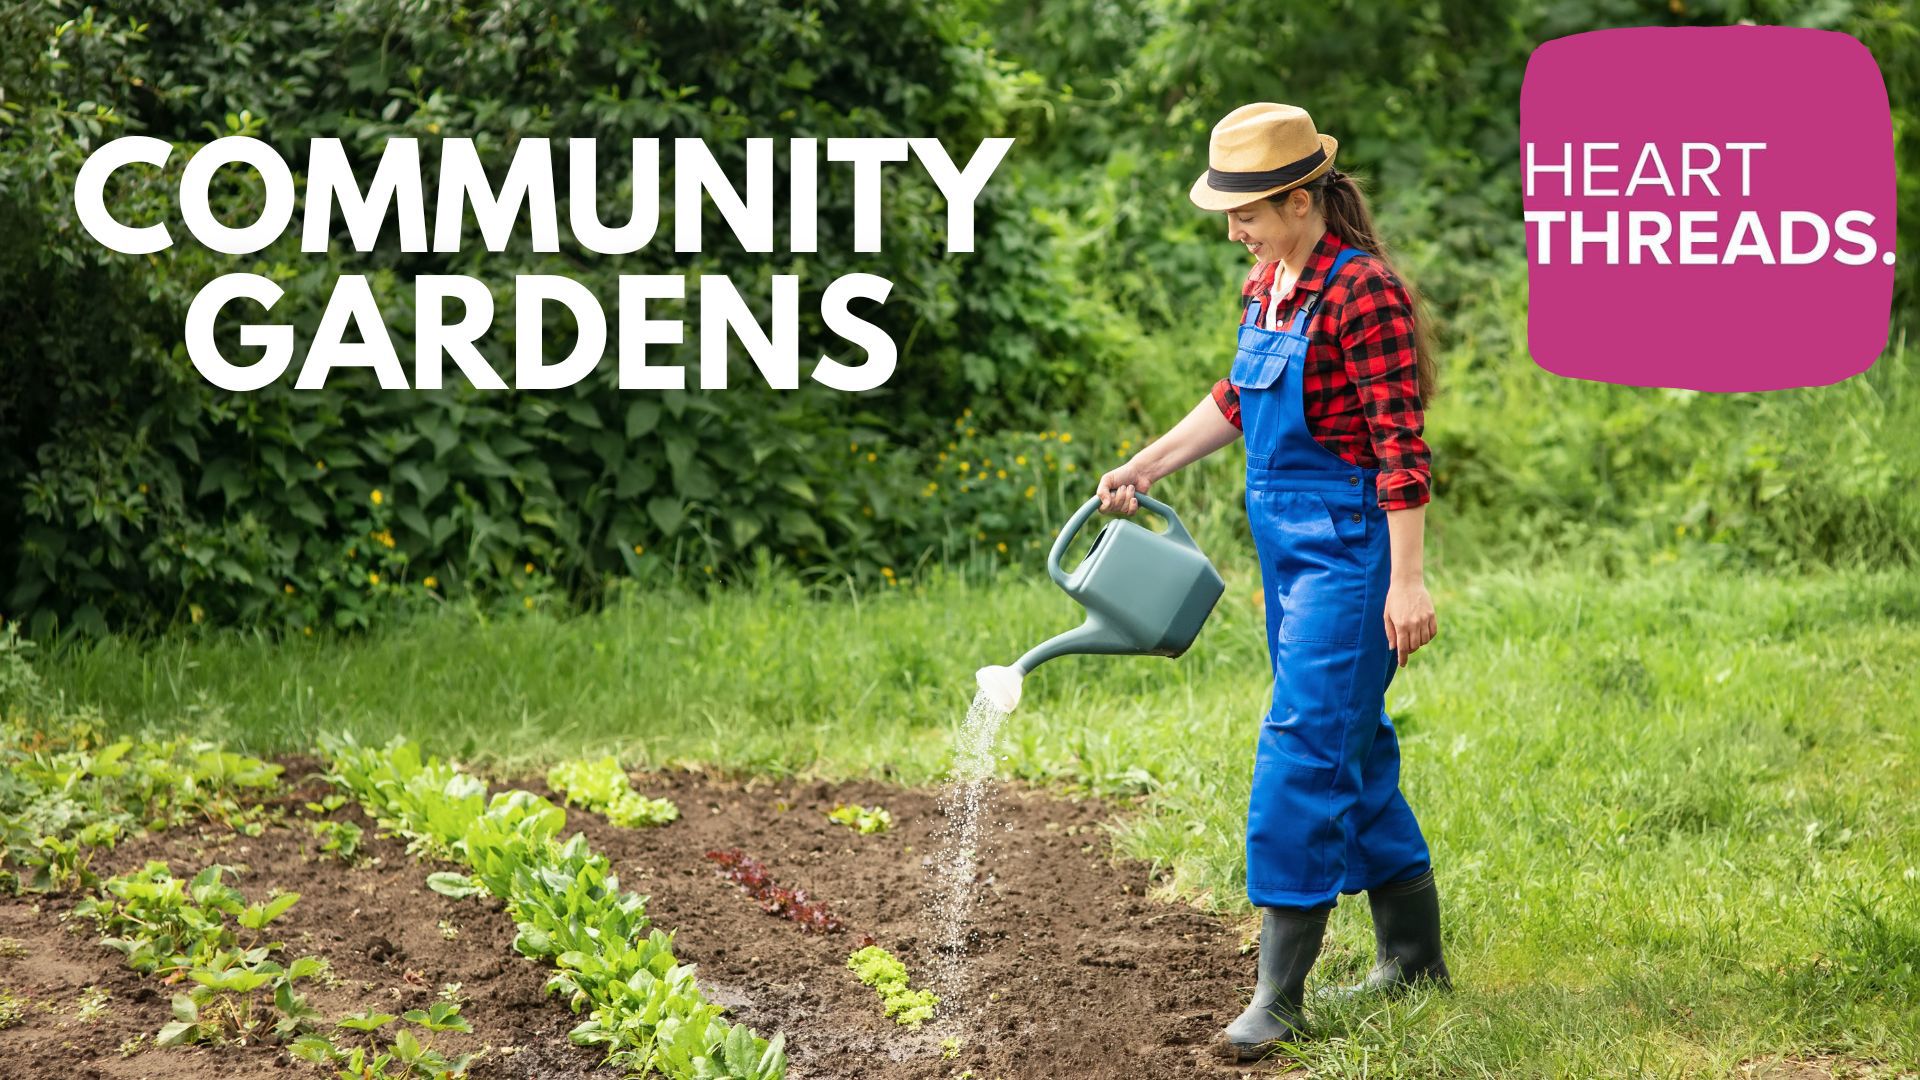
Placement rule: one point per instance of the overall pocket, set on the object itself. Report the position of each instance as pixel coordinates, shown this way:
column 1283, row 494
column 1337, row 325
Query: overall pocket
column 1318, row 577
column 1257, row 368
column 1346, row 513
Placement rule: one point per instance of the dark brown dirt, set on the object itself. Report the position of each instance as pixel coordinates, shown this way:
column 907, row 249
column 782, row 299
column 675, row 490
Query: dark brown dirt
column 392, row 944
column 1072, row 971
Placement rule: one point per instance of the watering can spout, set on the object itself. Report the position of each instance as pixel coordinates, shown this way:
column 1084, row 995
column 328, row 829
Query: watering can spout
column 1089, row 637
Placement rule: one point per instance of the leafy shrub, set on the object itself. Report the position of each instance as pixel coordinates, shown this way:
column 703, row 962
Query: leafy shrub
column 150, row 497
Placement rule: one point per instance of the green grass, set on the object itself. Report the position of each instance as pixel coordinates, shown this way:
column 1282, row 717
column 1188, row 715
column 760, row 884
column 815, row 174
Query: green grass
column 1674, row 816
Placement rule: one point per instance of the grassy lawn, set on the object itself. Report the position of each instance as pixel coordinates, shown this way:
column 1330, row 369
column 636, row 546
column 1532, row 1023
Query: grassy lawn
column 1676, row 818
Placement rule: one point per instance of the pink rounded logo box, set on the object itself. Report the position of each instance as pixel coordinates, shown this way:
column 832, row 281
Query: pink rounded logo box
column 1708, row 208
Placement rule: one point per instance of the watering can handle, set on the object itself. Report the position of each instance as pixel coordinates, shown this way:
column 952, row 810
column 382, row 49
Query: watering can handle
column 1175, row 529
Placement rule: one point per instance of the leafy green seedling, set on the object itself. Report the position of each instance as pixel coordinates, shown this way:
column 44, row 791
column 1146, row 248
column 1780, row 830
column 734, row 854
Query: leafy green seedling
column 458, row 886
column 878, row 968
column 862, row 819
column 257, row 916
column 405, row 1056
column 365, row 1021
column 442, row 1016
column 339, row 838
column 327, row 804
column 601, row 786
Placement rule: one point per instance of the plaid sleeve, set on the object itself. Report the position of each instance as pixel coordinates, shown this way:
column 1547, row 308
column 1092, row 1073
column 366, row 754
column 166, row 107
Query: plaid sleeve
column 1376, row 336
column 1227, row 396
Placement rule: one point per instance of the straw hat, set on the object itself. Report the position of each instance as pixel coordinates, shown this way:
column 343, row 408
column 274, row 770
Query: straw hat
column 1259, row 150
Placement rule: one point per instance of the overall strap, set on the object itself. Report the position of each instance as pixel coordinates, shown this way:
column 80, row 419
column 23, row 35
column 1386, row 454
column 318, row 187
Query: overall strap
column 1251, row 307
column 1305, row 319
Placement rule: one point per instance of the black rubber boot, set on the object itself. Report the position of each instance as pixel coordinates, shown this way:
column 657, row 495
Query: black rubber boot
column 1289, row 943
column 1406, row 936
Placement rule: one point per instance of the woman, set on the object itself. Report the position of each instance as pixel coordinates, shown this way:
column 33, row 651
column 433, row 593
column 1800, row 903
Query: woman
column 1328, row 385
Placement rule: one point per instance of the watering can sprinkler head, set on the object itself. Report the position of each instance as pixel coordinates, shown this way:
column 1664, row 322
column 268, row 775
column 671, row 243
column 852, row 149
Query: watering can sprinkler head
column 1146, row 594
column 1001, row 685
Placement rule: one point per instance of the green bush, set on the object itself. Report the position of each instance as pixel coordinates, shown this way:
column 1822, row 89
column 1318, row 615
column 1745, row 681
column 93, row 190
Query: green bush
column 149, row 496
column 1099, row 301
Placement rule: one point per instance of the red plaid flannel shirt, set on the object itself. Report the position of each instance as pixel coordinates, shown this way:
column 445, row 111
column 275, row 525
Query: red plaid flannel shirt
column 1361, row 383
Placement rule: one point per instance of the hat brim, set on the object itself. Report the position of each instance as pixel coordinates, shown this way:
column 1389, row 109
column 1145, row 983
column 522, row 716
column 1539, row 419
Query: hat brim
column 1207, row 197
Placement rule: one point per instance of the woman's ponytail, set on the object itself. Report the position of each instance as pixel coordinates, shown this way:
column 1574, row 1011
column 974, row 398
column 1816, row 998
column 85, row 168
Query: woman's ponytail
column 1343, row 203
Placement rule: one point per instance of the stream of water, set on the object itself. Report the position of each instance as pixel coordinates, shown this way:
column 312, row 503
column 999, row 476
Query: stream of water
column 966, row 805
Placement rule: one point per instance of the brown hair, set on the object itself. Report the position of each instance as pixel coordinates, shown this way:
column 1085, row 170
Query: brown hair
column 1343, row 204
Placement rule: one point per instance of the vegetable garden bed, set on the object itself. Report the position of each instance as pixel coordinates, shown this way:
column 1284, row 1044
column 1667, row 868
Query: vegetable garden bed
column 1071, row 971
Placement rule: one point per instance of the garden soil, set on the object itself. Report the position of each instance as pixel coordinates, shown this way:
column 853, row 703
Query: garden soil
column 1072, row 970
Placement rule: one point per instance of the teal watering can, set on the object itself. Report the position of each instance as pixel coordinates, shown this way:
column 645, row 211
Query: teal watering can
column 1146, row 594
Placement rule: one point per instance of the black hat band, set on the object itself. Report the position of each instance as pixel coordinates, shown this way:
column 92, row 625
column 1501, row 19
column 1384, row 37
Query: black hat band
column 1261, row 181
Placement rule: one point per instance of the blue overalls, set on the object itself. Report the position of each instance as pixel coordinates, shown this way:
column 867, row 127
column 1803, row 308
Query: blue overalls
column 1326, row 816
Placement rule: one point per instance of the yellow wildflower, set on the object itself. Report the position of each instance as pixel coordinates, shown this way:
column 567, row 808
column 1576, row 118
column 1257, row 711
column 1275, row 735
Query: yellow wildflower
column 307, row 630
column 1002, row 474
column 966, row 412
column 1066, row 436
column 853, row 448
column 431, row 582
column 871, row 456
column 980, row 535
column 1070, row 466
column 288, row 589
column 528, row 602
column 943, row 455
column 196, row 612
column 1002, row 545
column 966, row 465
column 638, row 550
column 373, row 578
column 529, row 568
column 143, row 489
column 1030, row 490
column 970, row 433
column 1020, row 460
column 377, row 497
column 887, row 570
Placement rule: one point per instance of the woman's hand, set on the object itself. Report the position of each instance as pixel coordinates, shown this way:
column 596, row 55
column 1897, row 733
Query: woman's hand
column 1118, row 488
column 1200, row 433
column 1409, row 617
